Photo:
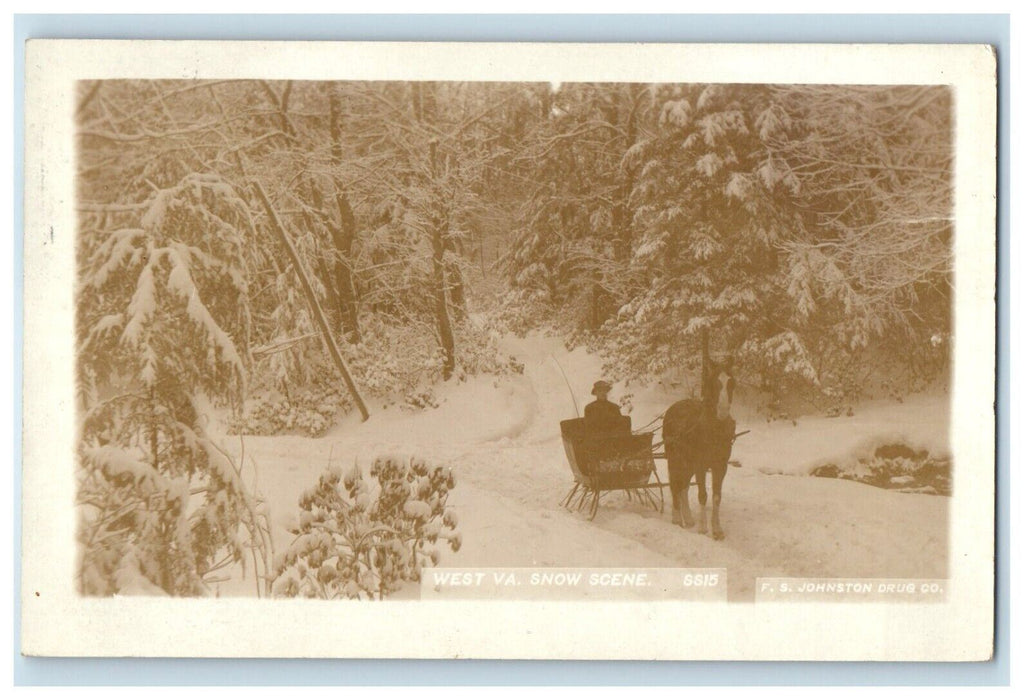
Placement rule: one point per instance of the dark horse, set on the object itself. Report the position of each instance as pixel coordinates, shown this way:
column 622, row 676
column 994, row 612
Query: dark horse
column 698, row 436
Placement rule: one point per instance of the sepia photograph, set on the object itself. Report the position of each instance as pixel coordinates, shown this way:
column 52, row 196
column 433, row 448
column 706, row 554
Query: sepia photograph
column 395, row 341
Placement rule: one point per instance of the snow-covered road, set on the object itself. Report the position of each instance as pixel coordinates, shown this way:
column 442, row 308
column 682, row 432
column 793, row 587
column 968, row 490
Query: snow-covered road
column 500, row 436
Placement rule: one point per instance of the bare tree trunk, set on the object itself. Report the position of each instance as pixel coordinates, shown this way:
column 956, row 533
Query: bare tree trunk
column 333, row 297
column 341, row 287
column 440, row 281
column 705, row 360
column 621, row 217
column 453, row 248
column 338, row 280
column 544, row 93
column 447, row 338
column 344, row 233
column 313, row 302
column 343, row 240
column 453, row 278
column 282, row 106
column 595, row 321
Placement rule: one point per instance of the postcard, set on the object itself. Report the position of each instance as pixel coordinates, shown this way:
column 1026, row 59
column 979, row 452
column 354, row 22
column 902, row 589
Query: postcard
column 545, row 351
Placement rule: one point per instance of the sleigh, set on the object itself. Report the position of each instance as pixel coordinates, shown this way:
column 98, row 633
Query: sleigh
column 604, row 464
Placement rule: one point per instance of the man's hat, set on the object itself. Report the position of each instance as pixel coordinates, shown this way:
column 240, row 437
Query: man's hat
column 601, row 387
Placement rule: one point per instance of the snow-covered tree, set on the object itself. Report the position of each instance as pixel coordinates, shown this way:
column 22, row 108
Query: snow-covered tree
column 707, row 223
column 438, row 147
column 385, row 244
column 873, row 263
column 571, row 252
column 162, row 322
column 808, row 227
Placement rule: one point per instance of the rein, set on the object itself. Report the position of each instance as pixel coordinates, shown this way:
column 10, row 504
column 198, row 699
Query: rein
column 644, row 429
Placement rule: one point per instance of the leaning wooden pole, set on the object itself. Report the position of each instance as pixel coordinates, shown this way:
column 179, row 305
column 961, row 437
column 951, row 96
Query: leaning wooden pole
column 313, row 302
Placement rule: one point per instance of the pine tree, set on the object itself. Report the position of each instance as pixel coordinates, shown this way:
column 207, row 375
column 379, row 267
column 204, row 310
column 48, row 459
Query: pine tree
column 808, row 227
column 162, row 319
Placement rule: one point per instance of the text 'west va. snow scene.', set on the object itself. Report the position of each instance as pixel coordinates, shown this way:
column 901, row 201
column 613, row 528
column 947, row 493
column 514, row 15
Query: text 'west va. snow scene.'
column 335, row 336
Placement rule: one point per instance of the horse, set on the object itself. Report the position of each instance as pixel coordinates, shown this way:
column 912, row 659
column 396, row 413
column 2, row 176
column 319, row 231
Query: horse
column 698, row 436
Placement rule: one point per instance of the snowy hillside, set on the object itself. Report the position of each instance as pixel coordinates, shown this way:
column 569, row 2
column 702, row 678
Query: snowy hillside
column 500, row 436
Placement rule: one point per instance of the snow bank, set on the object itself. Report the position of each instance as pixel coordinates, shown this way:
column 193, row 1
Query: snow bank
column 500, row 437
column 781, row 447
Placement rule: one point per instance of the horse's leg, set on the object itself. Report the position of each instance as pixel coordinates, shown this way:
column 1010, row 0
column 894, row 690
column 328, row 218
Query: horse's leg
column 718, row 472
column 679, row 480
column 703, row 497
column 682, row 501
column 684, row 509
column 679, row 491
column 674, row 482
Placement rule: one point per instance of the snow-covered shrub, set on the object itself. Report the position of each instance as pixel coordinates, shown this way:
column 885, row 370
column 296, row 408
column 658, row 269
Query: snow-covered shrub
column 477, row 353
column 895, row 466
column 161, row 314
column 522, row 310
column 396, row 360
column 421, row 399
column 363, row 535
column 393, row 359
column 393, row 364
column 297, row 390
column 310, row 412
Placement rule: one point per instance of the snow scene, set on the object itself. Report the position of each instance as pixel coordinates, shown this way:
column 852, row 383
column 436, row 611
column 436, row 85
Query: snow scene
column 512, row 472
column 327, row 331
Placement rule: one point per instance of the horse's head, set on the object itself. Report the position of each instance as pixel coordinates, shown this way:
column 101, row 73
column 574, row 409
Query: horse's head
column 718, row 389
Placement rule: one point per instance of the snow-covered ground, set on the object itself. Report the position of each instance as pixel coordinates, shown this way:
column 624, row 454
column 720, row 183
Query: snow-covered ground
column 500, row 436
